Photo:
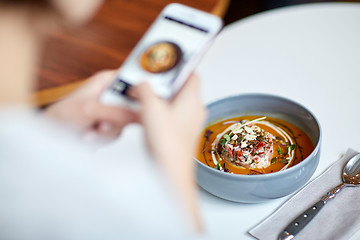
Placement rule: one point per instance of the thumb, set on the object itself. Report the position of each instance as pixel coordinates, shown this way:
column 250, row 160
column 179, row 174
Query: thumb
column 146, row 96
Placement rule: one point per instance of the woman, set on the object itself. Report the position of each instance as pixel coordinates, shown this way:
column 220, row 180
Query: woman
column 51, row 186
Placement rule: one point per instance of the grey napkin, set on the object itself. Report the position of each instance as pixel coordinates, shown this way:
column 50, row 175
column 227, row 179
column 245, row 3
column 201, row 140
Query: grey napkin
column 338, row 219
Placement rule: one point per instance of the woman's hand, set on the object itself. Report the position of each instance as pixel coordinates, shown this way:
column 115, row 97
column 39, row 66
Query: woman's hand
column 179, row 121
column 83, row 110
column 173, row 130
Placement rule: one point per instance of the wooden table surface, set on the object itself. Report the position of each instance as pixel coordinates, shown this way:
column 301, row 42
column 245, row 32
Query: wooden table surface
column 71, row 56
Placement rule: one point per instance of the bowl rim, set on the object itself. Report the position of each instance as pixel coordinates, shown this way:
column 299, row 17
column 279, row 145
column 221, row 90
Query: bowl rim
column 274, row 174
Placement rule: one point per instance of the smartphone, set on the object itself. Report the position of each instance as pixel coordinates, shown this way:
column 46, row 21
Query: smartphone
column 166, row 55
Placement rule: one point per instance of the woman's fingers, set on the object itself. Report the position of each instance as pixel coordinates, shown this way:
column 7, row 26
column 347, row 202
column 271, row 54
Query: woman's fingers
column 146, row 96
column 115, row 114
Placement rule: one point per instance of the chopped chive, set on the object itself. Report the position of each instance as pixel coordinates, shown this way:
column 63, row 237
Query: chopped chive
column 218, row 166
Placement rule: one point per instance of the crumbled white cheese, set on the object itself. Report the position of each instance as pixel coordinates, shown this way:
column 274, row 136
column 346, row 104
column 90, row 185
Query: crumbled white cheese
column 237, row 128
column 234, row 137
column 250, row 137
column 248, row 130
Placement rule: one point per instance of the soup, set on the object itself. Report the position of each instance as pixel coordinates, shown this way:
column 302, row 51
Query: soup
column 253, row 145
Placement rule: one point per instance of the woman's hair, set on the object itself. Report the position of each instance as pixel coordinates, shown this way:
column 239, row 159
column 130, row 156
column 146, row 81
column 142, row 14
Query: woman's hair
column 31, row 3
column 35, row 6
column 25, row 1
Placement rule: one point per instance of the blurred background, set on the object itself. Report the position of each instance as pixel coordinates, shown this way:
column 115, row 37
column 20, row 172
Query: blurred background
column 72, row 55
column 242, row 8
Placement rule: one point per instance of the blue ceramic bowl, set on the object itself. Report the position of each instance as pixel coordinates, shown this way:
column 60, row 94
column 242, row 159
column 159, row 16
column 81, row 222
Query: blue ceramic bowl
column 259, row 188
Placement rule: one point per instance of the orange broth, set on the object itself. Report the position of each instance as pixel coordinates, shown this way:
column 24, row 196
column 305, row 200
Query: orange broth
column 303, row 145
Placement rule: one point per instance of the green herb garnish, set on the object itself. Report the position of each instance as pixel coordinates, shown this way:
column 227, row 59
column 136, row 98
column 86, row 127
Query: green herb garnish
column 292, row 146
column 280, row 152
column 218, row 166
column 273, row 160
column 222, row 141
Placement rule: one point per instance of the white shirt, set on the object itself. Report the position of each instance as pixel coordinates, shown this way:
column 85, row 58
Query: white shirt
column 53, row 187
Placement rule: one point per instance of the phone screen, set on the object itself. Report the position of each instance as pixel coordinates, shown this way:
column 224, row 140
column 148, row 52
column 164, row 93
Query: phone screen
column 162, row 53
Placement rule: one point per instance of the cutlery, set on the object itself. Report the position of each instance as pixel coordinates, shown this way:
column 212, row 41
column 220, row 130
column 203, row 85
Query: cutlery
column 350, row 178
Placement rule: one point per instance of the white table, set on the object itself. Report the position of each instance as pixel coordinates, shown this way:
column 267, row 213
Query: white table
column 308, row 53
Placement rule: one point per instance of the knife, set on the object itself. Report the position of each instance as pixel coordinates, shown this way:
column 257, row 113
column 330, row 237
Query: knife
column 301, row 221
